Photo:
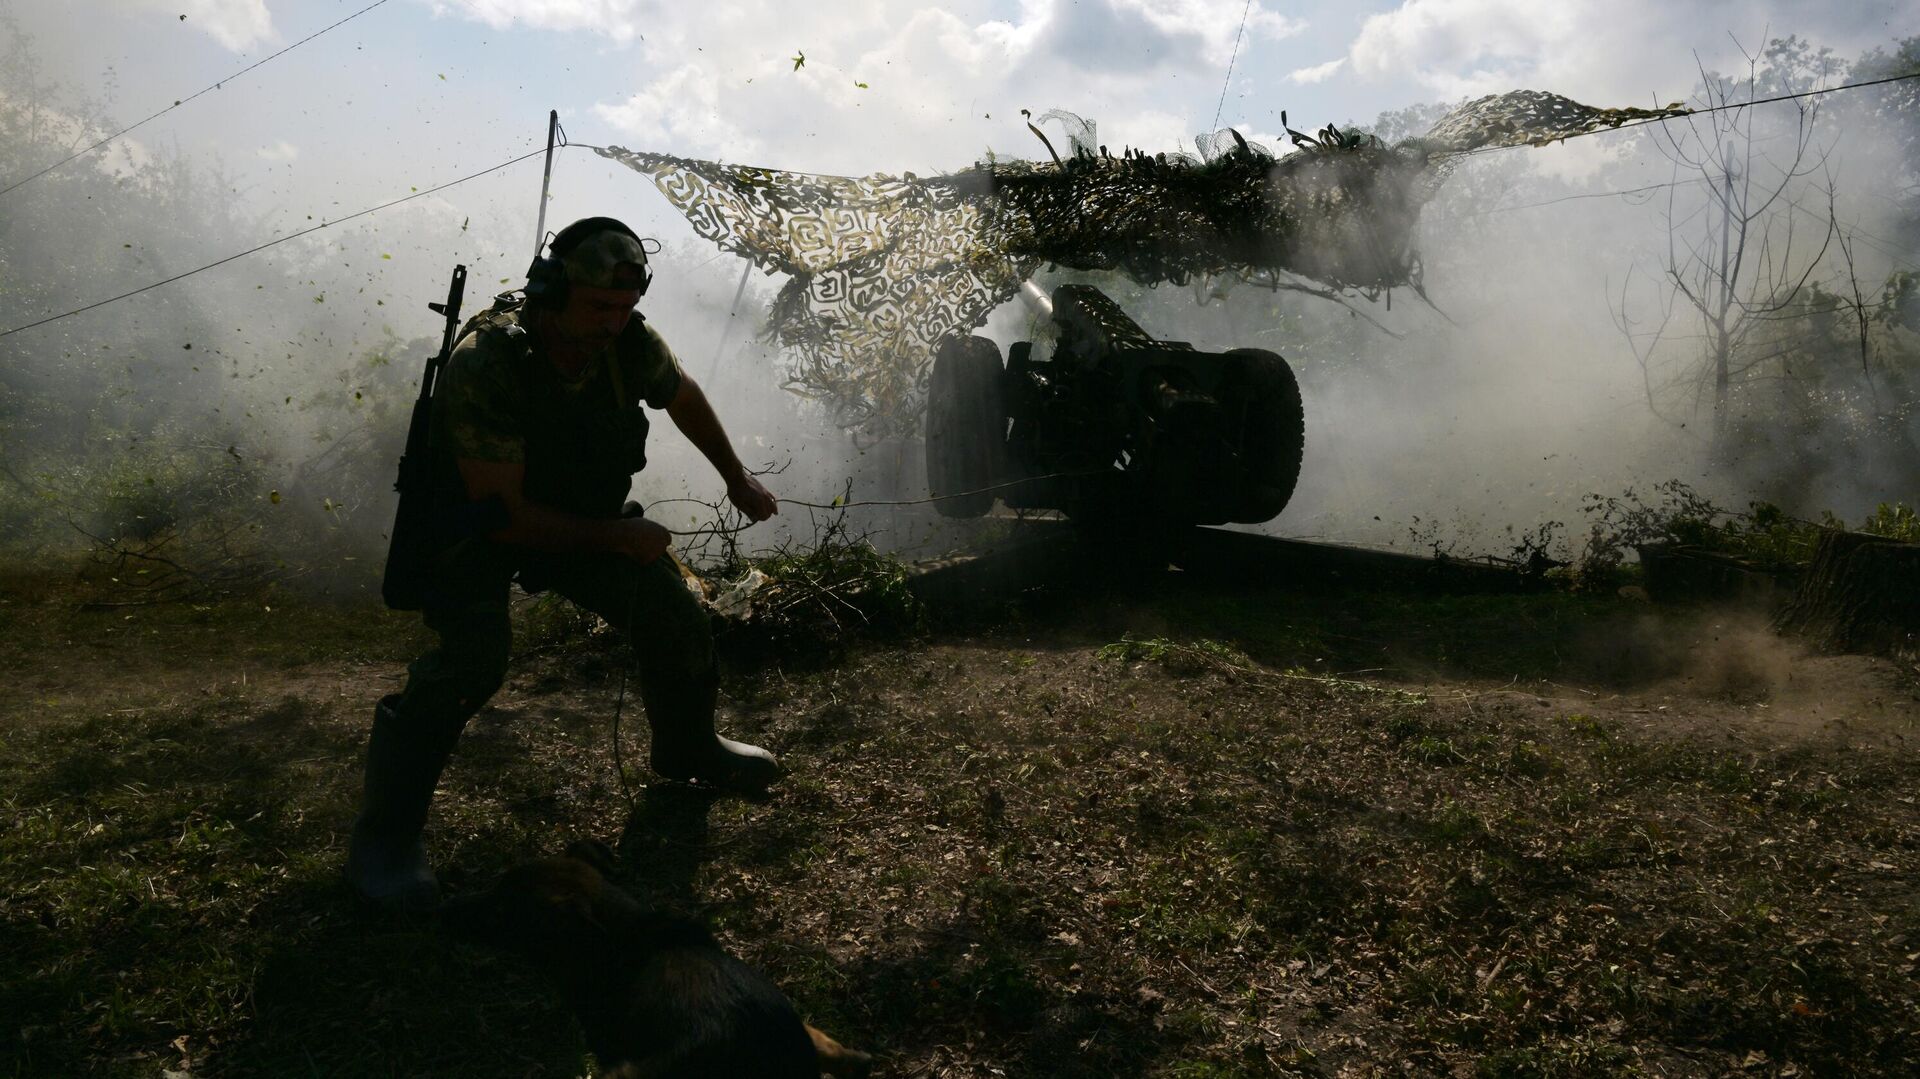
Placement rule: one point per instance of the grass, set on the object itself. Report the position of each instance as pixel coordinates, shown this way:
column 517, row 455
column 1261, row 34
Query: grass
column 1168, row 833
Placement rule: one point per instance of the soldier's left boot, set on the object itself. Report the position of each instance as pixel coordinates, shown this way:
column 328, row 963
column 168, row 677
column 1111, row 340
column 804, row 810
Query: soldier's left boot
column 386, row 854
column 686, row 747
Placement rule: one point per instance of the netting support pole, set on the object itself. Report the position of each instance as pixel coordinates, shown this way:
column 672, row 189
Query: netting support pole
column 733, row 312
column 546, row 178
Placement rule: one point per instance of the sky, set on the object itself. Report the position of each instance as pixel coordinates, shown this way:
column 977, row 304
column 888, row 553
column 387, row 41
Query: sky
column 415, row 92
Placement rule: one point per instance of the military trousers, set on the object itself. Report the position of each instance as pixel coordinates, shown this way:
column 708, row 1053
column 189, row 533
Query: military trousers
column 670, row 631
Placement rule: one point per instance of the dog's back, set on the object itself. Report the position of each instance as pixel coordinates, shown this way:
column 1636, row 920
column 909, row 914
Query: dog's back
column 692, row 1010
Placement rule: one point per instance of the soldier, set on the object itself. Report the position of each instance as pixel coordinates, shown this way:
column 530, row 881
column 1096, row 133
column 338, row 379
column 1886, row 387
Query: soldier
column 536, row 433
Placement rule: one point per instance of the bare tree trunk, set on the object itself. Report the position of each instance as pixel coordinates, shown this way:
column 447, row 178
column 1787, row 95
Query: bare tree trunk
column 1722, row 347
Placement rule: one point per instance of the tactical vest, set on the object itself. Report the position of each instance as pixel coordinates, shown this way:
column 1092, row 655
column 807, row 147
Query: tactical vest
column 582, row 446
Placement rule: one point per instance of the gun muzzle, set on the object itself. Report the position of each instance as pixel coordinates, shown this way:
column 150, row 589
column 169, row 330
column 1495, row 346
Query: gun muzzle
column 1037, row 299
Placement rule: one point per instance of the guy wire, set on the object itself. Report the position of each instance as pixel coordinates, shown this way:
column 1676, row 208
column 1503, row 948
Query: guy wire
column 270, row 243
column 190, row 97
column 1704, row 111
column 1228, row 81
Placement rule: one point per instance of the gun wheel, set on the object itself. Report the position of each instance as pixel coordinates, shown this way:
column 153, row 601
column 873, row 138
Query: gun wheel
column 966, row 425
column 1273, row 433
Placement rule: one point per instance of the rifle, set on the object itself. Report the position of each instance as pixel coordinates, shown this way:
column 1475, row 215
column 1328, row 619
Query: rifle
column 412, row 542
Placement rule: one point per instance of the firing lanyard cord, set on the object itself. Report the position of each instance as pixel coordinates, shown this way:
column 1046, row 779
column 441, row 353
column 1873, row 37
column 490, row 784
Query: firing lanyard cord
column 620, row 701
column 633, row 599
column 734, row 530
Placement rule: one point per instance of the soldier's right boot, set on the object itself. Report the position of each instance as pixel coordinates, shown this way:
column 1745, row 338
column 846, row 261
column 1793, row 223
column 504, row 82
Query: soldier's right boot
column 387, row 856
column 686, row 747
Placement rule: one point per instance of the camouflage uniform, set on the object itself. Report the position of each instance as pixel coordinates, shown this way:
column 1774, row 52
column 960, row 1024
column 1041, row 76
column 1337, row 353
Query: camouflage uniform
column 581, row 439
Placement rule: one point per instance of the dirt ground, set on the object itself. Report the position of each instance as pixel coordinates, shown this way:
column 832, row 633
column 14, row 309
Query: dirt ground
column 1166, row 829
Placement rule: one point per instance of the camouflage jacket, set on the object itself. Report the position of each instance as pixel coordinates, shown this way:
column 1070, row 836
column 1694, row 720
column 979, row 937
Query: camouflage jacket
column 581, row 438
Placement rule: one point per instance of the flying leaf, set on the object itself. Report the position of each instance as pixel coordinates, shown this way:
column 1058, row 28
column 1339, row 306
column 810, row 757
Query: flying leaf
column 799, row 60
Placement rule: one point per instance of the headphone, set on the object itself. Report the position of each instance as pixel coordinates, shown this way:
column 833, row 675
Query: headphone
column 547, row 276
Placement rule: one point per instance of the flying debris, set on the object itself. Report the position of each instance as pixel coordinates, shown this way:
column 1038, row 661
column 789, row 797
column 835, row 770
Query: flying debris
column 883, row 268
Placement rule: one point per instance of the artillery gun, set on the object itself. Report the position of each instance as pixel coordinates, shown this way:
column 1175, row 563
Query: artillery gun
column 1112, row 422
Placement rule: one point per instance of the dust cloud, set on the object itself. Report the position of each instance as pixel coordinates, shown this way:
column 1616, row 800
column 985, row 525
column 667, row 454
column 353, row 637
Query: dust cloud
column 283, row 383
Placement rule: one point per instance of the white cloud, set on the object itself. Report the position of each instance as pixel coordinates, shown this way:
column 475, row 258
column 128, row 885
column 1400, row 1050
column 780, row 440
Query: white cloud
column 1216, row 22
column 237, row 25
column 1213, row 24
column 680, row 109
column 1601, row 51
column 942, row 88
column 1307, row 76
column 616, row 19
column 940, row 91
column 1465, row 47
column 279, row 151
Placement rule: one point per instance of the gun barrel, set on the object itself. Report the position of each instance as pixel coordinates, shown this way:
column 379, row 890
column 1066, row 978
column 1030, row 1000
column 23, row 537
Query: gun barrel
column 1037, row 299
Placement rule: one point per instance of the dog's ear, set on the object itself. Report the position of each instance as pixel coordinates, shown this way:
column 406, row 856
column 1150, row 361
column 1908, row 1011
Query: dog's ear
column 594, row 853
column 575, row 905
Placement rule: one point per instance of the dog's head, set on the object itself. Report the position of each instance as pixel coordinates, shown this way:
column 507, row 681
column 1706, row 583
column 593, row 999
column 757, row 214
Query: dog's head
column 541, row 906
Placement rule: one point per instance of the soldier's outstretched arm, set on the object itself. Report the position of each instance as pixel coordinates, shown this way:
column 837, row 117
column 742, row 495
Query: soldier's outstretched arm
column 532, row 524
column 694, row 415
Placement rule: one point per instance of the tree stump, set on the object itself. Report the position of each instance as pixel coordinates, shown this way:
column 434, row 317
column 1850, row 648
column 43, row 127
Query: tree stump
column 1861, row 594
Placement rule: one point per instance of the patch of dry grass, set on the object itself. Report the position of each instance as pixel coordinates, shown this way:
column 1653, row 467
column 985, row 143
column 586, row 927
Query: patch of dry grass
column 1031, row 849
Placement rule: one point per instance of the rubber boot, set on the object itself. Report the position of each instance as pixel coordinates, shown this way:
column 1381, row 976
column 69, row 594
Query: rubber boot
column 686, row 747
column 387, row 857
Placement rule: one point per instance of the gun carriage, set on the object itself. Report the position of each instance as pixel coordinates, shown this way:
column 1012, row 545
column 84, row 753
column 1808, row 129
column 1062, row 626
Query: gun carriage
column 1110, row 420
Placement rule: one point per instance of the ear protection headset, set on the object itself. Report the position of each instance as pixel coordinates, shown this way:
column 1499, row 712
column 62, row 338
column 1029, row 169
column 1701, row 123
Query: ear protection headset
column 547, row 276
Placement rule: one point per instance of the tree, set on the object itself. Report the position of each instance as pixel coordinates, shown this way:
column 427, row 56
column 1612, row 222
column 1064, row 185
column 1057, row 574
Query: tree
column 1772, row 309
column 1739, row 253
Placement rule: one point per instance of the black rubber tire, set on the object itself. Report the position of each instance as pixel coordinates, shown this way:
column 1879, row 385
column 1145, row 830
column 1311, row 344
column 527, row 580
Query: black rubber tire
column 966, row 425
column 1273, row 435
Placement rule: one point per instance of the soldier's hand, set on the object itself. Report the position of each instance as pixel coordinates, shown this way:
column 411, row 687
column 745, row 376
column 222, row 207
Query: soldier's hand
column 643, row 540
column 752, row 499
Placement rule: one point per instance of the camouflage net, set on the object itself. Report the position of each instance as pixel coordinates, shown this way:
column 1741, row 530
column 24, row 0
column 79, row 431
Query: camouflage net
column 883, row 267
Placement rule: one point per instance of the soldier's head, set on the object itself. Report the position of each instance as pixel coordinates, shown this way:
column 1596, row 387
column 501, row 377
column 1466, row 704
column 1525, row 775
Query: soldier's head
column 585, row 289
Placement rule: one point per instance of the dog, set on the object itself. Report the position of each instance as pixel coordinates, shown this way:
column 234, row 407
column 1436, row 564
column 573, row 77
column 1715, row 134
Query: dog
column 656, row 995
